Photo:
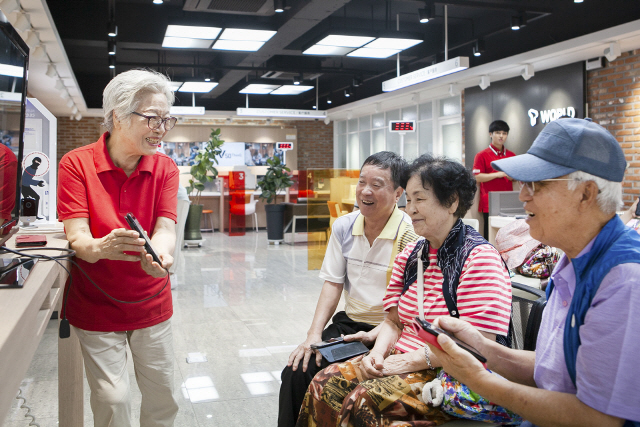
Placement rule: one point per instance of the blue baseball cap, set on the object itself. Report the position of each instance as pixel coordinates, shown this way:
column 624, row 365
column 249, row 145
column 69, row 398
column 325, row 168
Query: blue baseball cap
column 565, row 146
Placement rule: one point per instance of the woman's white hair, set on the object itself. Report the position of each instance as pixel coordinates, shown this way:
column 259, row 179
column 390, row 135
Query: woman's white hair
column 124, row 92
column 610, row 195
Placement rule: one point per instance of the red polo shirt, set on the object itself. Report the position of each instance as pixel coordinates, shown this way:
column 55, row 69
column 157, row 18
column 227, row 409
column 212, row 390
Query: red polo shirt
column 91, row 186
column 482, row 164
column 8, row 177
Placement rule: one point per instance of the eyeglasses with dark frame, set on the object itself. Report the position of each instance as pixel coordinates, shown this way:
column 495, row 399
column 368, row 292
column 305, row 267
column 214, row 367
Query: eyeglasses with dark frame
column 154, row 122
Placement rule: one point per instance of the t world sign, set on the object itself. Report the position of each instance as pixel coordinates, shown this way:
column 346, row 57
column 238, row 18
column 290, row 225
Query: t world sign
column 547, row 116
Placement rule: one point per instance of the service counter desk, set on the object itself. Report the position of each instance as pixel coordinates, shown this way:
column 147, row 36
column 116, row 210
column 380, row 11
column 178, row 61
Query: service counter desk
column 24, row 314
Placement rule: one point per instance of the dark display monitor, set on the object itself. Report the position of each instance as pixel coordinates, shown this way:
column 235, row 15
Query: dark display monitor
column 14, row 62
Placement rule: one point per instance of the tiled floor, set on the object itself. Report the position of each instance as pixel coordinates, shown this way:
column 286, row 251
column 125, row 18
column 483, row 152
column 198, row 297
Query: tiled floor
column 239, row 301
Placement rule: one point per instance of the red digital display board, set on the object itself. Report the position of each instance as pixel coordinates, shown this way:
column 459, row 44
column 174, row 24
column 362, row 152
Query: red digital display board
column 402, row 126
column 284, row 146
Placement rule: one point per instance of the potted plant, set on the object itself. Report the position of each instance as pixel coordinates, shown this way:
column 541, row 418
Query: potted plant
column 276, row 179
column 202, row 171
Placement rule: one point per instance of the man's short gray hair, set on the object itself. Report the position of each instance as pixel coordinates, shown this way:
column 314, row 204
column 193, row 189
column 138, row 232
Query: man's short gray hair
column 610, row 196
column 123, row 93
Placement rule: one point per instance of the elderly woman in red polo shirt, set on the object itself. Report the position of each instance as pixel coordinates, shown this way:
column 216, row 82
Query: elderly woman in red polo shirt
column 124, row 297
column 380, row 388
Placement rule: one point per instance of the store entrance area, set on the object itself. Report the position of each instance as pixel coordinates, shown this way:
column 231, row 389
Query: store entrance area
column 239, row 302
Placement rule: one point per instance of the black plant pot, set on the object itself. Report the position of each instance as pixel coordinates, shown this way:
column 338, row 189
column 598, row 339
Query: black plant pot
column 192, row 227
column 275, row 222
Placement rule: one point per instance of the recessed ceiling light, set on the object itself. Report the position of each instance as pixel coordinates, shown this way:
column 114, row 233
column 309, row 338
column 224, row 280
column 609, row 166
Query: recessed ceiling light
column 11, row 70
column 175, row 85
column 259, row 89
column 158, row 1
column 374, row 53
column 318, row 49
column 248, row 35
column 197, row 87
column 345, row 41
column 192, row 32
column 291, row 90
column 186, row 43
column 240, row 45
column 391, row 43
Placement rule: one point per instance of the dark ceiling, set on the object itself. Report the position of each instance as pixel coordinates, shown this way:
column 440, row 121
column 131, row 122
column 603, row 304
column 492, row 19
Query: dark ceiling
column 82, row 25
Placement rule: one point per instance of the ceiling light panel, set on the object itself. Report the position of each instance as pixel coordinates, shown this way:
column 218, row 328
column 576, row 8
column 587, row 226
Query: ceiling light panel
column 11, row 70
column 392, row 43
column 291, row 90
column 327, row 50
column 246, row 35
column 197, row 87
column 365, row 52
column 192, row 32
column 345, row 41
column 175, row 85
column 239, row 45
column 186, row 43
column 259, row 89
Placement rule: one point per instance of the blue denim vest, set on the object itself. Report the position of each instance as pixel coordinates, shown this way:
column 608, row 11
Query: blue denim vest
column 615, row 244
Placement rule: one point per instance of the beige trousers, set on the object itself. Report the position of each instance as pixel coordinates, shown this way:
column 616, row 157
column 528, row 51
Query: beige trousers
column 105, row 361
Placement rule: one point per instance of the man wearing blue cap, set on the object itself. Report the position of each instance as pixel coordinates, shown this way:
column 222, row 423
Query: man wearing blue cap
column 585, row 370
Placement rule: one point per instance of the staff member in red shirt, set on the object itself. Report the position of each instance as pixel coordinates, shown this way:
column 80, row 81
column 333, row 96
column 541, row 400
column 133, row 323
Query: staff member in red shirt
column 488, row 178
column 8, row 176
column 98, row 185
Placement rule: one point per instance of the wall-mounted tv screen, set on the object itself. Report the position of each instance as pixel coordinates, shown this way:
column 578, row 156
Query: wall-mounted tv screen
column 233, row 153
column 14, row 61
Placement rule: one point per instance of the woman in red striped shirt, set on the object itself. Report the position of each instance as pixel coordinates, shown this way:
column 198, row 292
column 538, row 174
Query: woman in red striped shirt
column 463, row 276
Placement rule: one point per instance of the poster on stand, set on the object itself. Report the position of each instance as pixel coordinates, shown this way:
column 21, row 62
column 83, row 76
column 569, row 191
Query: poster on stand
column 39, row 162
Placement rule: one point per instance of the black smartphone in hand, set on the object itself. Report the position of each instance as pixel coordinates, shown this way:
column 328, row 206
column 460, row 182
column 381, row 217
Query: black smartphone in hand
column 327, row 343
column 638, row 207
column 135, row 225
column 432, row 333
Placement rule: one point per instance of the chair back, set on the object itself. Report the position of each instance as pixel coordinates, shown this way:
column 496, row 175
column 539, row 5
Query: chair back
column 527, row 305
column 472, row 222
column 333, row 209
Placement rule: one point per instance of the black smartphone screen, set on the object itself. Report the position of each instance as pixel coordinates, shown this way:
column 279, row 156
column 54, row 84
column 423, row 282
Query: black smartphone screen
column 428, row 327
column 638, row 207
column 327, row 343
column 135, row 225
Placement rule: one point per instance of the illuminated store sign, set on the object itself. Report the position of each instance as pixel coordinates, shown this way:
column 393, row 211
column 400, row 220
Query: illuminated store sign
column 547, row 116
column 402, row 126
column 284, row 146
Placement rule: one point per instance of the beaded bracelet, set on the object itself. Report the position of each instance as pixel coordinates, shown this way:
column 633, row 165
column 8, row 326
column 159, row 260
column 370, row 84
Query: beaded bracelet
column 426, row 357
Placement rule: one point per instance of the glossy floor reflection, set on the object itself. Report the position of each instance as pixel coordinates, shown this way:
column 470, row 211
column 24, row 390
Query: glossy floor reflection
column 241, row 303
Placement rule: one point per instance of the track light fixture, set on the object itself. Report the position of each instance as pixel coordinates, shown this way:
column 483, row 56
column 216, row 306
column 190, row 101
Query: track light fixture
column 518, row 22
column 427, row 14
column 9, row 6
column 278, row 6
column 112, row 47
column 357, row 81
column 297, row 79
column 51, row 71
column 348, row 92
column 112, row 29
column 329, row 99
column 21, row 21
column 478, row 47
column 112, row 62
column 158, row 1
column 207, row 77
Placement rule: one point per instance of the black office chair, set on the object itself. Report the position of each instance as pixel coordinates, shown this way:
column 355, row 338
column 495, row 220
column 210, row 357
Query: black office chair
column 526, row 315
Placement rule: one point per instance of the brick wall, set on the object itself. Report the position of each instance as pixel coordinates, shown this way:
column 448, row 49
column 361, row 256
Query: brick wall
column 315, row 144
column 613, row 95
column 76, row 133
column 315, row 139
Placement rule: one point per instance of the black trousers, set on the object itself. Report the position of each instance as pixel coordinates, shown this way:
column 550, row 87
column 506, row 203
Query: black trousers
column 295, row 383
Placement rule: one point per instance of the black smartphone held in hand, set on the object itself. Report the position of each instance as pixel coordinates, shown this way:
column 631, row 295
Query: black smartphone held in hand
column 432, row 333
column 135, row 225
column 638, row 207
column 327, row 343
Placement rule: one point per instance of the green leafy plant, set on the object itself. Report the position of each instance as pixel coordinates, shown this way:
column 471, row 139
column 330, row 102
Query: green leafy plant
column 275, row 179
column 203, row 170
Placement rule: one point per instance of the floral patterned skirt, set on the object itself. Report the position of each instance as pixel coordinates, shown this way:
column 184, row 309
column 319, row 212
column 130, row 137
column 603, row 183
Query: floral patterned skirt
column 340, row 396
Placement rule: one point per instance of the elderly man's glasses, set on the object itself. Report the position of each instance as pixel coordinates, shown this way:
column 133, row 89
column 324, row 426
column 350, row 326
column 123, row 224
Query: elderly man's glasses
column 154, row 122
column 531, row 186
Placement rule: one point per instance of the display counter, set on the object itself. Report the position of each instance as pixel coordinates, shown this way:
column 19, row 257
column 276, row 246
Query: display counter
column 24, row 315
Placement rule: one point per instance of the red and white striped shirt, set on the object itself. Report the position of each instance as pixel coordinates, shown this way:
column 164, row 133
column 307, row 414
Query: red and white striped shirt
column 483, row 296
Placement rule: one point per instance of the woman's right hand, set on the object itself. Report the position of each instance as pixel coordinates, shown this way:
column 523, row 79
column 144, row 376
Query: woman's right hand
column 113, row 245
column 365, row 338
column 372, row 365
